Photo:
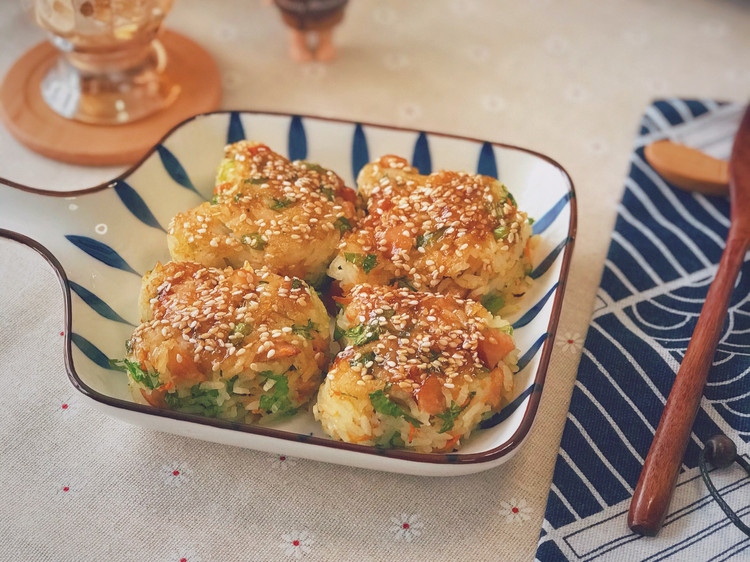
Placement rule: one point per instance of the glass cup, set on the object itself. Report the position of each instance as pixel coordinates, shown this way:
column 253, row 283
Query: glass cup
column 111, row 66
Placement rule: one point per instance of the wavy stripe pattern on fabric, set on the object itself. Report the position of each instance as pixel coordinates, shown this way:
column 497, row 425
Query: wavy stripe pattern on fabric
column 663, row 255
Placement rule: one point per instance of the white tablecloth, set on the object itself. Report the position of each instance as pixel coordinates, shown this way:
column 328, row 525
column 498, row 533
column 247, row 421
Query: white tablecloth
column 569, row 79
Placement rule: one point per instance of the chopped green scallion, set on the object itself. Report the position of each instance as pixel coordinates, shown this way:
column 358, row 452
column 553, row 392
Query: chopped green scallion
column 343, row 224
column 304, row 331
column 363, row 333
column 493, row 302
column 256, row 181
column 315, row 167
column 279, row 204
column 500, row 232
column 255, row 241
column 382, row 404
column 242, row 328
column 363, row 359
column 149, row 379
column 277, row 403
column 201, row 401
column 338, row 333
column 366, row 262
column 424, row 240
column 450, row 415
column 403, row 282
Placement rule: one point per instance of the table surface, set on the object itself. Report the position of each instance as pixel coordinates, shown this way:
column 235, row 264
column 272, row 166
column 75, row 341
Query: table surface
column 566, row 79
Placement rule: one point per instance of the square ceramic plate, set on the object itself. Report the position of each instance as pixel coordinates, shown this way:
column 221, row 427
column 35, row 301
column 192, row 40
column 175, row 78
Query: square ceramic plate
column 101, row 240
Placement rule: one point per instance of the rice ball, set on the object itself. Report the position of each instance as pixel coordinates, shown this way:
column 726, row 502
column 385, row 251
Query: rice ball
column 449, row 232
column 237, row 344
column 417, row 370
column 267, row 211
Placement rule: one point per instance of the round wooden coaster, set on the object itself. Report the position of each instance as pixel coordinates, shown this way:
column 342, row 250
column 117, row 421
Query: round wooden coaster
column 27, row 116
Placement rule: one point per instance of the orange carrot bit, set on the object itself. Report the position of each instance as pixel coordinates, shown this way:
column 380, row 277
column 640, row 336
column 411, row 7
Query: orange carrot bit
column 360, row 439
column 412, row 429
column 155, row 398
column 348, row 194
column 495, row 347
column 222, row 187
column 284, row 349
column 449, row 444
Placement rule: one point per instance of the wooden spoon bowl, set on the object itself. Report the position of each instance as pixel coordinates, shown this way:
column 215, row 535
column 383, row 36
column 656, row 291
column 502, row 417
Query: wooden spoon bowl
column 688, row 168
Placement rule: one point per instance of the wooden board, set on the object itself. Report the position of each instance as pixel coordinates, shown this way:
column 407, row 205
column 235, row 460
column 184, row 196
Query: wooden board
column 27, row 116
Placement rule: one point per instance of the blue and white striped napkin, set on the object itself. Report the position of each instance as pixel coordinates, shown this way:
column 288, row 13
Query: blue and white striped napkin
column 662, row 258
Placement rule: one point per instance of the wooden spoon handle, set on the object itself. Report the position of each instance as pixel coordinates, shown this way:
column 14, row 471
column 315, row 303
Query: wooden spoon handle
column 659, row 475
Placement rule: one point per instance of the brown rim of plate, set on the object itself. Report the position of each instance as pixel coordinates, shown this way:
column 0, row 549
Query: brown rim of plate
column 401, row 454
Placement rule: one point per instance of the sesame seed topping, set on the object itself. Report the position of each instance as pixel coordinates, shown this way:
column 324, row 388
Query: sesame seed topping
column 424, row 336
column 223, row 319
column 431, row 231
column 264, row 203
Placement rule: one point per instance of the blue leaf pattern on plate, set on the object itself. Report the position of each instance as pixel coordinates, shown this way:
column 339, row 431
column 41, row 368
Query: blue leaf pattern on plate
column 297, row 143
column 421, row 158
column 534, row 310
column 529, row 355
column 360, row 153
column 505, row 413
column 487, row 165
column 549, row 217
column 100, row 251
column 136, row 205
column 545, row 264
column 236, row 131
column 174, row 168
column 91, row 351
column 97, row 304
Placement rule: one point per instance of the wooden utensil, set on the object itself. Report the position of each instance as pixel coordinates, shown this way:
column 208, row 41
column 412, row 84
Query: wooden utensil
column 688, row 168
column 659, row 475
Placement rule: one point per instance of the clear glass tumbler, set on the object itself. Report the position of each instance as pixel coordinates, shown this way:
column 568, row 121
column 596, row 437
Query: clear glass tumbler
column 111, row 68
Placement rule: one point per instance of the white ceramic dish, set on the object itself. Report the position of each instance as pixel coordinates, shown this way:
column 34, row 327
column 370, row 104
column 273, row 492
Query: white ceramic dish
column 101, row 240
